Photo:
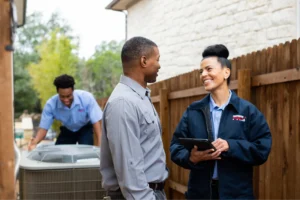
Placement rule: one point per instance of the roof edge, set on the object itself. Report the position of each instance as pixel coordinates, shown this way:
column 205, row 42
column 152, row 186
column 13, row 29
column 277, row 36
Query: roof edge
column 111, row 5
column 120, row 5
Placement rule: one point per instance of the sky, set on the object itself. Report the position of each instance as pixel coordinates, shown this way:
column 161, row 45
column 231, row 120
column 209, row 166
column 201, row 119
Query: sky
column 89, row 20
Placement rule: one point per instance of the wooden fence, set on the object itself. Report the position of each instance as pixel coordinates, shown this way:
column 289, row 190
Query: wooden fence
column 270, row 79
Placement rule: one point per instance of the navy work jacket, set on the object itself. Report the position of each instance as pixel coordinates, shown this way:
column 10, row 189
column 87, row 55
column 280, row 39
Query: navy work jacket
column 245, row 129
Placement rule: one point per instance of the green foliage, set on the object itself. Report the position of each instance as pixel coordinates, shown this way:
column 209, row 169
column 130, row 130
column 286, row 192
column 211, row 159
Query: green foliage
column 24, row 95
column 57, row 58
column 28, row 38
column 36, row 30
column 102, row 71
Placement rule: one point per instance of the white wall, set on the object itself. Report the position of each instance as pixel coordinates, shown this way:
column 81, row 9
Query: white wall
column 183, row 28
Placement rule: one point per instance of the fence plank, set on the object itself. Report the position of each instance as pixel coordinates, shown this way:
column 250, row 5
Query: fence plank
column 276, row 77
column 233, row 73
column 178, row 187
column 244, row 84
column 296, row 128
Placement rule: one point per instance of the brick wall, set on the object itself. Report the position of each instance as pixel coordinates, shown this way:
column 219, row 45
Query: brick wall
column 183, row 28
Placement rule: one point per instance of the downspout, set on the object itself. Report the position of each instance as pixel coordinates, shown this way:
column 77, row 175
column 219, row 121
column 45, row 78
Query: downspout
column 298, row 19
column 126, row 14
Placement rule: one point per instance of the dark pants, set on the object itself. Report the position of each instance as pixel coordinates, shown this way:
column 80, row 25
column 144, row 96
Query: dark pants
column 215, row 189
column 82, row 136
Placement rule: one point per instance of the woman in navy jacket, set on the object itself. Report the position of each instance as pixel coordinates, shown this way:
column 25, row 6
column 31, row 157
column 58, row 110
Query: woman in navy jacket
column 237, row 128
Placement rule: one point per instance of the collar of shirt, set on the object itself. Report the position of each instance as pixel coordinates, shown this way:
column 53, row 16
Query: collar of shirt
column 136, row 87
column 213, row 105
column 75, row 102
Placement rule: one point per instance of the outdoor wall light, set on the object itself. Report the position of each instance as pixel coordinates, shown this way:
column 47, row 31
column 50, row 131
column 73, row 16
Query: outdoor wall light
column 18, row 15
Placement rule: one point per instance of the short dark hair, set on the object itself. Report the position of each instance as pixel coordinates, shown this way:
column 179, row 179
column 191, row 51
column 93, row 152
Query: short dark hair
column 64, row 81
column 135, row 48
column 220, row 51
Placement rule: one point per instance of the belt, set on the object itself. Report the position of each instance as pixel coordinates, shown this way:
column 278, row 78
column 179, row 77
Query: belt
column 214, row 182
column 157, row 186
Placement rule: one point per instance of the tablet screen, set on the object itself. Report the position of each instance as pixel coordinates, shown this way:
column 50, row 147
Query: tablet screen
column 202, row 144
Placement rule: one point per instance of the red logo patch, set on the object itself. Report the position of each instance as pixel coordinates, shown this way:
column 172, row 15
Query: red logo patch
column 239, row 118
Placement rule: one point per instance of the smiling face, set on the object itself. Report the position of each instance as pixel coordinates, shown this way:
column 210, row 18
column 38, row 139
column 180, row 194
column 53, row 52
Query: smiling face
column 212, row 74
column 66, row 96
column 151, row 66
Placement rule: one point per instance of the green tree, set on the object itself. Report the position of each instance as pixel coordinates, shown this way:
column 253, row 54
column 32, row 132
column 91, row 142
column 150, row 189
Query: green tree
column 57, row 57
column 36, row 30
column 28, row 38
column 102, row 71
column 24, row 95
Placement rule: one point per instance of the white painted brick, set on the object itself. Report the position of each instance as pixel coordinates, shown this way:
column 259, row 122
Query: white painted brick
column 242, row 6
column 183, row 28
column 202, row 7
column 226, row 31
column 189, row 11
column 229, row 10
column 264, row 21
column 256, row 3
column 187, row 3
column 253, row 25
column 222, row 3
column 225, row 21
column 241, row 17
column 177, row 5
column 240, row 27
column 247, row 39
column 260, row 37
column 261, row 10
column 272, row 33
column 280, row 4
column 286, row 31
column 283, row 17
column 168, row 6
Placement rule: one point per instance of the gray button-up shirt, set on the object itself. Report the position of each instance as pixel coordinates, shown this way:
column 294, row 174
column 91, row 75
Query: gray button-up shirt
column 132, row 153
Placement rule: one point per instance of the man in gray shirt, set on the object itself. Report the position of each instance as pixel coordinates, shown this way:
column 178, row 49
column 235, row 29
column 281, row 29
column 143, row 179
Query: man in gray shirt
column 133, row 161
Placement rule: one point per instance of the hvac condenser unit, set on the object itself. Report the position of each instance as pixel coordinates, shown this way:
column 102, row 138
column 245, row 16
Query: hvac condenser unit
column 61, row 172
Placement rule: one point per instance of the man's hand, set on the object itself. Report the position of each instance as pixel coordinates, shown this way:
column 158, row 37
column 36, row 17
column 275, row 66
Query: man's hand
column 32, row 144
column 197, row 156
column 39, row 137
column 221, row 145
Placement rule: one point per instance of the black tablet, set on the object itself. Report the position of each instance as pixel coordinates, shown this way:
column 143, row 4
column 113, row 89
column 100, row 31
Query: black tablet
column 202, row 144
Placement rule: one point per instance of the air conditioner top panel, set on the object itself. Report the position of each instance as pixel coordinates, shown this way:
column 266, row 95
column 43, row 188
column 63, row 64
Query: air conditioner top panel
column 60, row 157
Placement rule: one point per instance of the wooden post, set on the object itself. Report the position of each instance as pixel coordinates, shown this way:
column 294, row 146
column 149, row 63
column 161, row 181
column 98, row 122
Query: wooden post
column 244, row 91
column 244, row 84
column 7, row 156
column 164, row 118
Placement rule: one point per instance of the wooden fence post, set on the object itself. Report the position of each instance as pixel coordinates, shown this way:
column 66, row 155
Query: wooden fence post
column 244, row 84
column 7, row 156
column 164, row 118
column 244, row 91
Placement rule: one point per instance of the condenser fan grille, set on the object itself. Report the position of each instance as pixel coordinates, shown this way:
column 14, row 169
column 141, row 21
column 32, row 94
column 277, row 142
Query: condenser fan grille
column 75, row 183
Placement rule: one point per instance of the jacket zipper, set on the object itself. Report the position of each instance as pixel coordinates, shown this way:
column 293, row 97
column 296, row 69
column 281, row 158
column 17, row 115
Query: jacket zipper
column 210, row 137
column 221, row 120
